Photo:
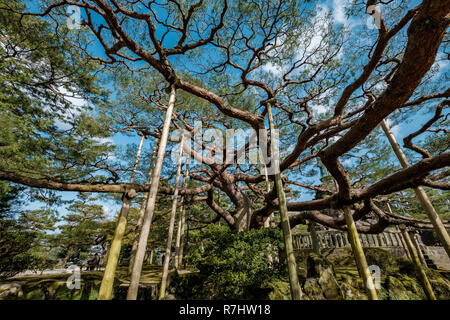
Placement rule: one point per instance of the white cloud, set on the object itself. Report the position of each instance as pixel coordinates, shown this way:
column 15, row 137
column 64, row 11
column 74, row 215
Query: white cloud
column 339, row 17
column 347, row 162
column 106, row 211
column 320, row 105
column 111, row 209
column 395, row 129
column 77, row 102
column 379, row 87
column 320, row 108
column 313, row 41
column 106, row 141
column 442, row 64
column 339, row 12
column 103, row 140
column 309, row 41
column 273, row 69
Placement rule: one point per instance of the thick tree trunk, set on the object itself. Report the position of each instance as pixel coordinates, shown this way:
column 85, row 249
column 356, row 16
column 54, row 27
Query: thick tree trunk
column 142, row 210
column 180, row 230
column 106, row 287
column 143, row 236
column 420, row 193
column 173, row 212
column 360, row 257
column 296, row 291
column 243, row 214
column 419, row 267
column 268, row 221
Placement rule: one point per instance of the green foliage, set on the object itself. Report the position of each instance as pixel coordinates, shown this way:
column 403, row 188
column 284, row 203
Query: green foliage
column 47, row 87
column 83, row 227
column 406, row 203
column 23, row 236
column 15, row 241
column 9, row 198
column 232, row 264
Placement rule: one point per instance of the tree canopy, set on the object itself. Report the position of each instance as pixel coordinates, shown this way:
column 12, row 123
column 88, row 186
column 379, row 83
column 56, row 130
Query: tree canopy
column 81, row 80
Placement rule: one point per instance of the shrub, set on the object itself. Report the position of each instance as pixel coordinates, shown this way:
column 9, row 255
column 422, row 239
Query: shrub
column 232, row 265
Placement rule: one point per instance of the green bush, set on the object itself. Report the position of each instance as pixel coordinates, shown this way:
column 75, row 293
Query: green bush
column 15, row 242
column 232, row 265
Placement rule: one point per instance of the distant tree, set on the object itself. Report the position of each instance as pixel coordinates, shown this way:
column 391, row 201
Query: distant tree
column 82, row 227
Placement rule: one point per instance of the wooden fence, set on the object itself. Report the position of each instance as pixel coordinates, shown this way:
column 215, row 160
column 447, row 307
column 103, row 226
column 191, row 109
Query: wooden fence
column 339, row 239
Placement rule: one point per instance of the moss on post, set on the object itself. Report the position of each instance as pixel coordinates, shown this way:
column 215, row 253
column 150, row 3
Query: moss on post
column 419, row 267
column 106, row 288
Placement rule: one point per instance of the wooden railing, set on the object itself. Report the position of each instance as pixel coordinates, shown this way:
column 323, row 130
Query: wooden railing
column 339, row 239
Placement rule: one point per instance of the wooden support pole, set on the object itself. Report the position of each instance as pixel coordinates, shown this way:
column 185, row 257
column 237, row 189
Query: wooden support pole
column 402, row 238
column 150, row 258
column 419, row 250
column 186, row 240
column 419, row 267
column 142, row 210
column 173, row 212
column 106, row 287
column 420, row 193
column 360, row 257
column 143, row 236
column 269, row 219
column 296, row 290
column 182, row 239
column 404, row 245
column 181, row 220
